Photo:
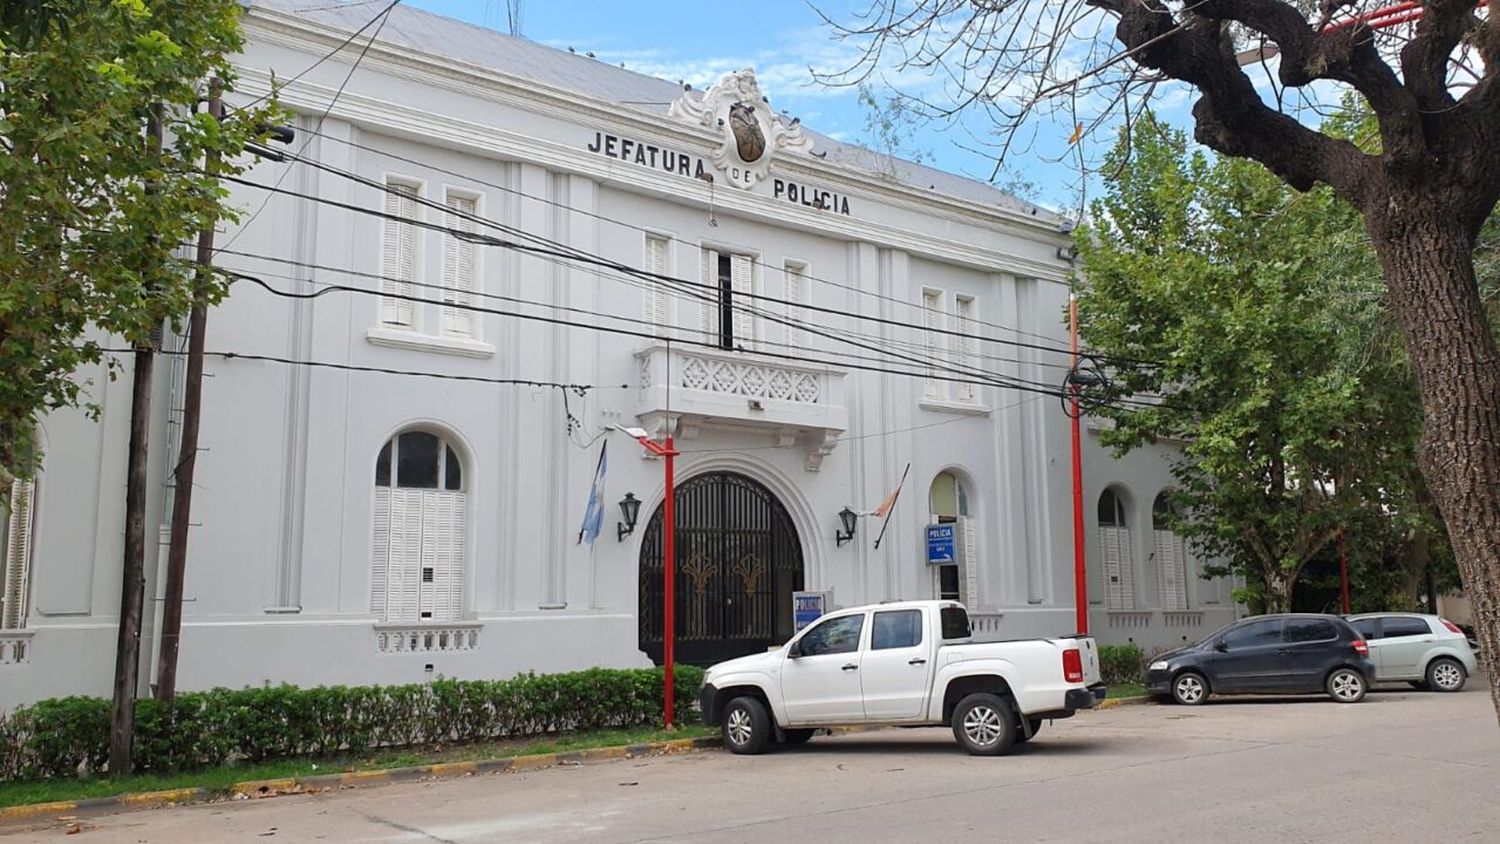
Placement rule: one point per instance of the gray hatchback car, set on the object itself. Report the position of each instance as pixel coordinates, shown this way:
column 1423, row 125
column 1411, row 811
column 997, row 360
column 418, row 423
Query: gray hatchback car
column 1426, row 651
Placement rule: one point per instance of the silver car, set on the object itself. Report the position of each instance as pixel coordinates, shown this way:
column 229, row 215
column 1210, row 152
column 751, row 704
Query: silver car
column 1424, row 650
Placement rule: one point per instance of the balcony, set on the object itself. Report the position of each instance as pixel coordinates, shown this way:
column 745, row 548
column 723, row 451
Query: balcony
column 426, row 638
column 800, row 405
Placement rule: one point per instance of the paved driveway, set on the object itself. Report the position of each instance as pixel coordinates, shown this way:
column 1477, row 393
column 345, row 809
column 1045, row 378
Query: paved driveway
column 1403, row 766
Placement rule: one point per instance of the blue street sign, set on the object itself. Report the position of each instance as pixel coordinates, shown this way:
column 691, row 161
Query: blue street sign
column 940, row 544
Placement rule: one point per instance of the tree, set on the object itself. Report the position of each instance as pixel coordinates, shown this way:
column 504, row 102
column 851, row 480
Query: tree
column 1433, row 85
column 91, row 218
column 1242, row 314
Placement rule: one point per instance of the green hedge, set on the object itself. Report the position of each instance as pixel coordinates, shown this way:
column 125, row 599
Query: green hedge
column 1119, row 664
column 65, row 736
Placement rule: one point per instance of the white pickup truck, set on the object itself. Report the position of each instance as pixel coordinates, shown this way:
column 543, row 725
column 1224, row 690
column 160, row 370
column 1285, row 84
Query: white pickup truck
column 911, row 663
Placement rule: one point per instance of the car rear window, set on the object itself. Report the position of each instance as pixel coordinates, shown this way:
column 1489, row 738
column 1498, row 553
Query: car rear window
column 1365, row 626
column 955, row 623
column 1310, row 630
column 1397, row 625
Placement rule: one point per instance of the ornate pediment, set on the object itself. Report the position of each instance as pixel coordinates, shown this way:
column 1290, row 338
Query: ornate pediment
column 751, row 133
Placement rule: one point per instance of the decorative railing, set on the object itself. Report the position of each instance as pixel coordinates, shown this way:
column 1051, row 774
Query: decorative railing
column 396, row 639
column 985, row 625
column 1182, row 618
column 1129, row 618
column 749, row 379
column 14, row 645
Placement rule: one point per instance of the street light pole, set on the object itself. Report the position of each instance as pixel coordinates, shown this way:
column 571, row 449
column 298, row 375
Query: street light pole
column 668, row 452
column 1080, row 584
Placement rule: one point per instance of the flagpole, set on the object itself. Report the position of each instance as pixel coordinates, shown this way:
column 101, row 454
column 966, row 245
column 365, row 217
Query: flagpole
column 887, row 523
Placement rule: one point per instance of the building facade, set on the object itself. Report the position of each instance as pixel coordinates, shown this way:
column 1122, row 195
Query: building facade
column 480, row 255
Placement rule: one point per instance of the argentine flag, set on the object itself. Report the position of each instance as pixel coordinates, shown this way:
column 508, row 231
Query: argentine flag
column 593, row 516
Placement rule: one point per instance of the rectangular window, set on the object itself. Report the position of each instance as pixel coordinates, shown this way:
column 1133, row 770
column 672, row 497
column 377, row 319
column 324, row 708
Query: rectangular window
column 932, row 325
column 955, row 623
column 794, row 277
column 727, row 316
column 896, row 629
column 399, row 255
column 459, row 268
column 656, row 290
column 965, row 346
column 1398, row 625
column 15, row 555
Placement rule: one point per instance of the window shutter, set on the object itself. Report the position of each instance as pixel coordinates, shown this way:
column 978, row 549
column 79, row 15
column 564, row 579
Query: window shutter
column 796, row 296
column 965, row 344
column 404, row 573
column 381, row 554
column 458, row 269
column 17, row 560
column 932, row 309
column 656, row 290
column 741, row 283
column 399, row 254
column 1171, row 568
column 446, row 591
column 708, row 309
column 969, row 557
column 1119, row 589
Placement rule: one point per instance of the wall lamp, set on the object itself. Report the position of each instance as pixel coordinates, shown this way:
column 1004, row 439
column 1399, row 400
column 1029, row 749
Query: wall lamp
column 850, row 521
column 630, row 509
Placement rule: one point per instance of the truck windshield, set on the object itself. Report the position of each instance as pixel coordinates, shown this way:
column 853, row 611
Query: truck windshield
column 955, row 623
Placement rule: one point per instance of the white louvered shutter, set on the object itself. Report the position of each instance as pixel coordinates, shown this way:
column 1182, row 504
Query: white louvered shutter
column 708, row 307
column 968, row 555
column 404, row 575
column 656, row 290
column 399, row 255
column 445, row 557
column 380, row 563
column 965, row 345
column 1171, row 569
column 1119, row 589
column 795, row 295
column 932, row 304
column 17, row 561
column 741, row 283
column 459, row 269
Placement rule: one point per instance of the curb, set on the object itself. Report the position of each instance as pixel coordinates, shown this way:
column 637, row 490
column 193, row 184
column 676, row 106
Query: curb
column 1115, row 702
column 260, row 789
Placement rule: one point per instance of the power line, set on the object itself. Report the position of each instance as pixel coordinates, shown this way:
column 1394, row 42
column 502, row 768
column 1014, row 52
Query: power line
column 563, row 252
column 754, row 261
column 331, row 53
column 579, row 389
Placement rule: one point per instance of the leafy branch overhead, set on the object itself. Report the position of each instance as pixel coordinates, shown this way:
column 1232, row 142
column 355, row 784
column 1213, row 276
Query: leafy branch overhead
column 92, row 215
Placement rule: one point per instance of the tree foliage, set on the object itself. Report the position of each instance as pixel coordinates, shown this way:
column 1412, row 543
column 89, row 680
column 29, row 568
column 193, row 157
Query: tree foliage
column 1261, row 318
column 92, row 213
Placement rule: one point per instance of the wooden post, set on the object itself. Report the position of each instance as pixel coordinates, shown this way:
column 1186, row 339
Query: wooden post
column 133, row 574
column 182, row 493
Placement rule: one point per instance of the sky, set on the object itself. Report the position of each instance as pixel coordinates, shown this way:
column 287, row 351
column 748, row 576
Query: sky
column 699, row 41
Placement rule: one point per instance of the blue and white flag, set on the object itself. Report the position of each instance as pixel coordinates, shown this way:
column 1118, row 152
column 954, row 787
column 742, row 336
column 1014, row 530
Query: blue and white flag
column 593, row 517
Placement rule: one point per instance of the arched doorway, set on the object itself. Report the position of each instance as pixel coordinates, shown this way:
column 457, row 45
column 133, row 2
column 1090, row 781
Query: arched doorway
column 738, row 561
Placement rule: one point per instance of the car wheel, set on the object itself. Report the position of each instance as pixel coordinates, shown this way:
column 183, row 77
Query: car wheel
column 1446, row 675
column 984, row 724
column 1190, row 688
column 1346, row 685
column 747, row 727
column 796, row 736
column 1036, row 727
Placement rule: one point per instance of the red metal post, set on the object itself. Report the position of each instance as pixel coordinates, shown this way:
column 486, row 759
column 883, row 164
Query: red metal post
column 669, row 573
column 1344, row 572
column 1080, row 583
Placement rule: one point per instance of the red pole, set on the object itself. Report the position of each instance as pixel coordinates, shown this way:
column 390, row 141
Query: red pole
column 669, row 573
column 1080, row 584
column 1344, row 572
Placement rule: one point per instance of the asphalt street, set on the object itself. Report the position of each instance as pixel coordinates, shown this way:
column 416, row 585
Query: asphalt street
column 1402, row 766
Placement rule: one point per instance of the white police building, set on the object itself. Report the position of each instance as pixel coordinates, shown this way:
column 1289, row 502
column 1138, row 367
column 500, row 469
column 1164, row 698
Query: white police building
column 480, row 209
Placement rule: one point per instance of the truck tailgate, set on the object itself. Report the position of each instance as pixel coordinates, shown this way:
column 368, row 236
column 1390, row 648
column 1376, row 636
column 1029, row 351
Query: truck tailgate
column 1089, row 650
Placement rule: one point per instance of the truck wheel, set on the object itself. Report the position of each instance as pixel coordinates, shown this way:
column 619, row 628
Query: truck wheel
column 796, row 736
column 747, row 727
column 984, row 724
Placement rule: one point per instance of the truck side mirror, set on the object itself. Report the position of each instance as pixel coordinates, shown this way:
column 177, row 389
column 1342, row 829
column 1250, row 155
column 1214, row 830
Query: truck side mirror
column 794, row 650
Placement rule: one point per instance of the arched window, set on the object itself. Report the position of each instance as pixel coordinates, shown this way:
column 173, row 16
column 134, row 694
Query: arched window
column 15, row 553
column 420, row 531
column 1170, row 553
column 948, row 501
column 1115, row 551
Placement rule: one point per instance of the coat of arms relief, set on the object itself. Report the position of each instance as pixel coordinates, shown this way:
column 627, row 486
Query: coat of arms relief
column 751, row 131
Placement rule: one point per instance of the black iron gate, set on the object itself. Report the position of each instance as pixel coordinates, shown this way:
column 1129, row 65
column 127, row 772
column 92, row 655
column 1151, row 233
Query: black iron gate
column 738, row 562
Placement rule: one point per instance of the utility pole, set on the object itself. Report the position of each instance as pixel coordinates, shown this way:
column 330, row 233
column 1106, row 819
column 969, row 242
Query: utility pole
column 182, row 497
column 133, row 573
column 668, row 452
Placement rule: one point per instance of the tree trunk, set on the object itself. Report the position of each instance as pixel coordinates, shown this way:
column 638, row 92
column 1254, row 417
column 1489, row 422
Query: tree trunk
column 1279, row 591
column 1427, row 258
